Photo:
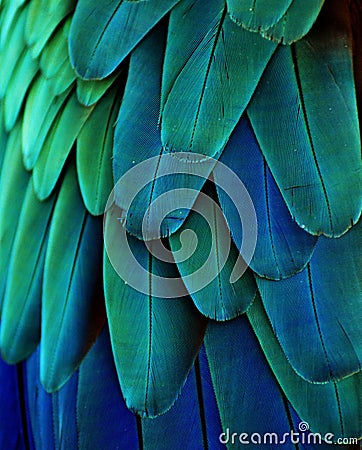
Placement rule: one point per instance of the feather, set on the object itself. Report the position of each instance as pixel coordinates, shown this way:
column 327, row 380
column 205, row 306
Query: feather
column 90, row 92
column 94, row 152
column 63, row 79
column 236, row 361
column 154, row 357
column 11, row 430
column 72, row 307
column 210, row 84
column 12, row 48
column 283, row 21
column 55, row 54
column 337, row 399
column 296, row 22
column 43, row 18
column 13, row 183
column 23, row 74
column 58, row 144
column 9, row 14
column 65, row 424
column 179, row 428
column 55, row 63
column 137, row 139
column 41, row 108
column 325, row 301
column 302, row 132
column 40, row 406
column 282, row 247
column 102, row 35
column 103, row 421
column 257, row 15
column 207, row 270
column 20, row 321
column 3, row 135
column 193, row 422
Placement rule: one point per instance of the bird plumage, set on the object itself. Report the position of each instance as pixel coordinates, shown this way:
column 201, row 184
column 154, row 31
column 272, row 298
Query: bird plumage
column 88, row 91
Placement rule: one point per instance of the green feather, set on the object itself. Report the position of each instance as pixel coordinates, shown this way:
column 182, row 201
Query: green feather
column 72, row 307
column 154, row 340
column 90, row 92
column 58, row 144
column 13, row 182
column 219, row 299
column 309, row 94
column 8, row 18
column 209, row 84
column 43, row 18
column 337, row 400
column 94, row 152
column 55, row 63
column 17, row 88
column 296, row 22
column 257, row 15
column 63, row 80
column 55, row 53
column 20, row 324
column 102, row 35
column 3, row 134
column 41, row 108
column 12, row 49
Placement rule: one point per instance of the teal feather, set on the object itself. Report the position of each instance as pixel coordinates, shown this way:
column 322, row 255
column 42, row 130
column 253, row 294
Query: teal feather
column 200, row 112
column 102, row 35
column 72, row 299
column 305, row 135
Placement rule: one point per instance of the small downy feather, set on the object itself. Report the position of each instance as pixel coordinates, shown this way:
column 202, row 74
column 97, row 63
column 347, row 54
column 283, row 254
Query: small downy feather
column 207, row 84
column 303, row 128
column 73, row 304
column 282, row 247
column 325, row 301
column 102, row 35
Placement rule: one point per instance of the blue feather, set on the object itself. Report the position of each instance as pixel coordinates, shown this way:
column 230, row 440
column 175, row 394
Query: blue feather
column 11, row 426
column 282, row 247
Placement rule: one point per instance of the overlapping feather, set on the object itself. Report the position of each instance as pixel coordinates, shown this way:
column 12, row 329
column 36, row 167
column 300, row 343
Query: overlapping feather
column 183, row 93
